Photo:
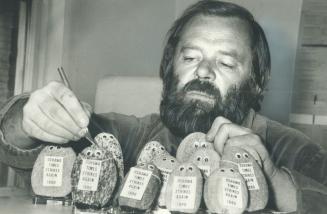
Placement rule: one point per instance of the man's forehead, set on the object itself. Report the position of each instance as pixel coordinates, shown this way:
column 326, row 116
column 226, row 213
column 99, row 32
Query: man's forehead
column 216, row 28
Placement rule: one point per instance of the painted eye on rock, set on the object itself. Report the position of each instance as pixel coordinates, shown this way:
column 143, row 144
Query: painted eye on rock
column 58, row 147
column 164, row 159
column 51, row 147
column 232, row 170
column 198, row 158
column 222, row 170
column 112, row 137
column 181, row 168
column 141, row 164
column 245, row 155
column 98, row 153
column 206, row 159
column 151, row 167
column 88, row 153
column 190, row 168
column 162, row 148
column 153, row 149
column 203, row 145
column 196, row 144
column 238, row 155
column 172, row 160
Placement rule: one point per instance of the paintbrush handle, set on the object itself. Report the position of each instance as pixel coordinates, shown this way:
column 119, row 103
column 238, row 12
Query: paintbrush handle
column 65, row 80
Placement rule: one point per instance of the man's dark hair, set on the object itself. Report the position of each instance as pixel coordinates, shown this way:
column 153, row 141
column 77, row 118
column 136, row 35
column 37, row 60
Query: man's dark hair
column 260, row 51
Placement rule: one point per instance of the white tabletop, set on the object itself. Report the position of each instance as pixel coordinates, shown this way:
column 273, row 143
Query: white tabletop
column 17, row 202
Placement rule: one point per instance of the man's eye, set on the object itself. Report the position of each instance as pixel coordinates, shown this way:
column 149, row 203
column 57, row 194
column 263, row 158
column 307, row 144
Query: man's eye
column 188, row 59
column 227, row 65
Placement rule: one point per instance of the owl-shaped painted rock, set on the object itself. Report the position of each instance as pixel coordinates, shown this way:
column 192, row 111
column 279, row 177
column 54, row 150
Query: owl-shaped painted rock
column 151, row 150
column 239, row 159
column 207, row 160
column 184, row 189
column 190, row 144
column 109, row 142
column 94, row 178
column 166, row 164
column 225, row 191
column 141, row 187
column 52, row 170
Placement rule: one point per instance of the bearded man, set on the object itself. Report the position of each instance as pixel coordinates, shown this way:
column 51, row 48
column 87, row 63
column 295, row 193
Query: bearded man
column 215, row 67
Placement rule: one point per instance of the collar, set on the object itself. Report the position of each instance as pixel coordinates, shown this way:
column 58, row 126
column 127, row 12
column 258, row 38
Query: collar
column 249, row 119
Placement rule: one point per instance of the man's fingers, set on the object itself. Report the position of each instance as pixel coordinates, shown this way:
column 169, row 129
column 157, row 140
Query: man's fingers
column 226, row 131
column 70, row 102
column 57, row 114
column 87, row 108
column 35, row 131
column 43, row 126
column 217, row 123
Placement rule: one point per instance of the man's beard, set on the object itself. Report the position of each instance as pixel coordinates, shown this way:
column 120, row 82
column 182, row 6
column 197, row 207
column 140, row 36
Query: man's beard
column 182, row 116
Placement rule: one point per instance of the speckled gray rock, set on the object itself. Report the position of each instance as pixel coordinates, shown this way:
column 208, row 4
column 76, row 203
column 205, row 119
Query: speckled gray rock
column 109, row 142
column 94, row 177
column 151, row 150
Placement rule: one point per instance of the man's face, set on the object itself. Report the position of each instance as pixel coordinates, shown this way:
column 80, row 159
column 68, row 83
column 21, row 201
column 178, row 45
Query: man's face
column 214, row 50
column 211, row 75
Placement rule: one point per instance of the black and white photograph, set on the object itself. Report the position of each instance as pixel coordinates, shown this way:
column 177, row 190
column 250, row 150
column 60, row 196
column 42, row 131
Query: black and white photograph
column 163, row 106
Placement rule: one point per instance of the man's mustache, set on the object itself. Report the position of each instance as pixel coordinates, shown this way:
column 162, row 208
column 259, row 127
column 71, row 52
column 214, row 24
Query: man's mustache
column 202, row 86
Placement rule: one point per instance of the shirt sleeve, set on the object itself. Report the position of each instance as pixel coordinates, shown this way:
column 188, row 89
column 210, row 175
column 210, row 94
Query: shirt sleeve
column 11, row 131
column 306, row 164
column 130, row 131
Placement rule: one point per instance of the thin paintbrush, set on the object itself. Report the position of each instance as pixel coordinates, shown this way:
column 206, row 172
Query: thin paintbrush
column 64, row 79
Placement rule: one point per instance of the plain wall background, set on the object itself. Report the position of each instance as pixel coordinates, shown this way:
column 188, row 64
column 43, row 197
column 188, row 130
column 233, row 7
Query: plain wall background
column 114, row 37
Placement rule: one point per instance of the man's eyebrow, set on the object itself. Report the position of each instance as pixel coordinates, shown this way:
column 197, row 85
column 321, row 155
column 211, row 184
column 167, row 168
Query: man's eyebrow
column 185, row 47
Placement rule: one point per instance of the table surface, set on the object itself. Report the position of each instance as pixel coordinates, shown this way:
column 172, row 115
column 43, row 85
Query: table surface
column 13, row 201
column 23, row 205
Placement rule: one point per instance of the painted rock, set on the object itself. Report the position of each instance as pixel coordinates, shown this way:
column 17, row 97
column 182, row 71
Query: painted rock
column 94, row 178
column 190, row 144
column 111, row 144
column 225, row 191
column 51, row 171
column 239, row 159
column 140, row 187
column 184, row 189
column 151, row 150
column 166, row 164
column 207, row 160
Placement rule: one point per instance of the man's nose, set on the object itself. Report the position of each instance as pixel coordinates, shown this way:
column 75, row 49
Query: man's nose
column 205, row 71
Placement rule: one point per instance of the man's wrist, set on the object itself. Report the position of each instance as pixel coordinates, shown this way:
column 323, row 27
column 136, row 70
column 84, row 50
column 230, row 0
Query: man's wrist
column 11, row 124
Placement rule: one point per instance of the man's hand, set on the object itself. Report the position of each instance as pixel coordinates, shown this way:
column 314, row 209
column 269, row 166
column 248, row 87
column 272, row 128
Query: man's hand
column 54, row 114
column 223, row 132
